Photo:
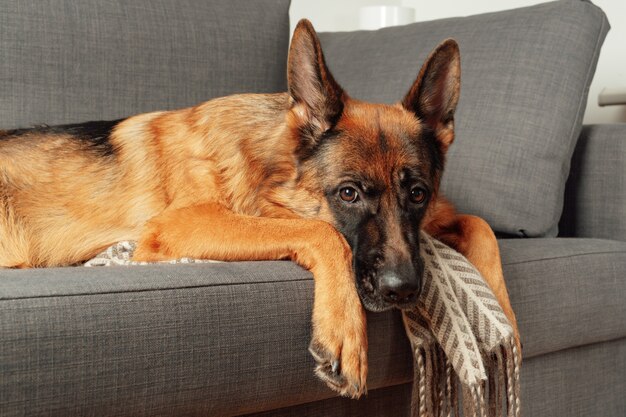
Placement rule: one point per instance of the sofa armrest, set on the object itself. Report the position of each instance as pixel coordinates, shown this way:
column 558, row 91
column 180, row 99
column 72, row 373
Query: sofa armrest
column 595, row 195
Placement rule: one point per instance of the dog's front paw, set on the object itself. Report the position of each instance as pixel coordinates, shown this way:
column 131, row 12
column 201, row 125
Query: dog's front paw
column 341, row 355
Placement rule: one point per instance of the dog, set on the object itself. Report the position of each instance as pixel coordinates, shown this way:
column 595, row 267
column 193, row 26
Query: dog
column 340, row 186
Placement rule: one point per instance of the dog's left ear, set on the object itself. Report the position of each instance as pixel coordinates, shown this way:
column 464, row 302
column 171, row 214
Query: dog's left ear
column 317, row 98
column 435, row 93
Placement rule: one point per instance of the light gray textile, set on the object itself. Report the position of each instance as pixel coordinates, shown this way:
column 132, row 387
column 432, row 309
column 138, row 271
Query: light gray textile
column 581, row 382
column 524, row 83
column 121, row 254
column 595, row 196
column 229, row 338
column 71, row 61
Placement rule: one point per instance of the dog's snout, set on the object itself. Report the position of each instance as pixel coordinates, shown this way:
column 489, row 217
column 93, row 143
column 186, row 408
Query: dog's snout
column 400, row 285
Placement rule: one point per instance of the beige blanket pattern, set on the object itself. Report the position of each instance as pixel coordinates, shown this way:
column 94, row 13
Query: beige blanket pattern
column 464, row 347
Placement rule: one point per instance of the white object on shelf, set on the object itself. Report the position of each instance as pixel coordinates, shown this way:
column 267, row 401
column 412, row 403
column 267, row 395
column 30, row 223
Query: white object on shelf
column 612, row 96
column 376, row 17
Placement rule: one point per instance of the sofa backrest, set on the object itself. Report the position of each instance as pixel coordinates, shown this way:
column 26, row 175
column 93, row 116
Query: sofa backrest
column 524, row 84
column 67, row 61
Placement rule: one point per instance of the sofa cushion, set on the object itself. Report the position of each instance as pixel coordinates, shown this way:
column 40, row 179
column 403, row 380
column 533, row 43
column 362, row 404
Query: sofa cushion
column 231, row 338
column 196, row 339
column 525, row 78
column 566, row 292
column 579, row 382
column 70, row 61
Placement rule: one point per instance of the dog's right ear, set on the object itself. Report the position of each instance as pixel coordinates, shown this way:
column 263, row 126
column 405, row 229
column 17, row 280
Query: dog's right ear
column 317, row 98
column 434, row 95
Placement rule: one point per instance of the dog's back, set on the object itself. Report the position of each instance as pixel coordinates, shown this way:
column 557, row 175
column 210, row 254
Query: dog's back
column 68, row 191
column 60, row 193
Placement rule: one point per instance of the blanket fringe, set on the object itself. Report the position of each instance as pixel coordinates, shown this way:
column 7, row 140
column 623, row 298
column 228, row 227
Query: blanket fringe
column 438, row 392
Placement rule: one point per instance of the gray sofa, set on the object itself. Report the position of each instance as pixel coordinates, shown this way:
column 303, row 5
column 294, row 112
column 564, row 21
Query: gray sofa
column 231, row 338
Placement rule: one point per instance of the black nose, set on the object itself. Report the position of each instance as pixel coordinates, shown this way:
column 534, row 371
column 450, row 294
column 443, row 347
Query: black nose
column 400, row 285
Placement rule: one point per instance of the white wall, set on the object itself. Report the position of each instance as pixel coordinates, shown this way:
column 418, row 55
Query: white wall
column 611, row 71
column 341, row 15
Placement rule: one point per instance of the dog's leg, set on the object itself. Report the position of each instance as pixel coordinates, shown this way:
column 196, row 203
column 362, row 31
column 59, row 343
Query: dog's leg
column 210, row 231
column 473, row 237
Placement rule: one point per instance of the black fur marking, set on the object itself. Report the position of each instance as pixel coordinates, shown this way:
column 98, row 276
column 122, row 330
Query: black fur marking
column 311, row 144
column 382, row 141
column 435, row 153
column 95, row 135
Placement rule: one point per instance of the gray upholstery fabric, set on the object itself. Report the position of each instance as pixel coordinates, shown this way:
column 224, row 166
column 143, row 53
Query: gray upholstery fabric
column 392, row 401
column 580, row 382
column 72, row 61
column 565, row 292
column 231, row 338
column 216, row 339
column 525, row 78
column 596, row 189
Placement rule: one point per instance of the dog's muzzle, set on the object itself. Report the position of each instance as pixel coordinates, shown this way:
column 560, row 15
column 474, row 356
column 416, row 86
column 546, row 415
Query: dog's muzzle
column 401, row 285
column 396, row 286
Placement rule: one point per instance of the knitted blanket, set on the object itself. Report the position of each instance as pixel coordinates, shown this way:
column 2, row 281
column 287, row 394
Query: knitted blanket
column 460, row 336
column 122, row 254
column 465, row 354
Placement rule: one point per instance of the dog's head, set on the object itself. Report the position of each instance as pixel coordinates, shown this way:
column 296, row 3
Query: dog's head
column 377, row 166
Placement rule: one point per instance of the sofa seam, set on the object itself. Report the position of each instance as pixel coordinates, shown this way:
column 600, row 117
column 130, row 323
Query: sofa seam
column 563, row 257
column 582, row 345
column 208, row 285
column 130, row 291
column 318, row 400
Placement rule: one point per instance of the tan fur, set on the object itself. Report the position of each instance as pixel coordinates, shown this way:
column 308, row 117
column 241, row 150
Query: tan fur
column 165, row 160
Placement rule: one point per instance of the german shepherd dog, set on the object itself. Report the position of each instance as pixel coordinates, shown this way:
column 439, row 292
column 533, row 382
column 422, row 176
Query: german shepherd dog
column 341, row 187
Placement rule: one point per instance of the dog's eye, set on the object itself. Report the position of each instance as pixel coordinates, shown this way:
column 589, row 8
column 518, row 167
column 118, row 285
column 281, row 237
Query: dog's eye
column 349, row 194
column 418, row 195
